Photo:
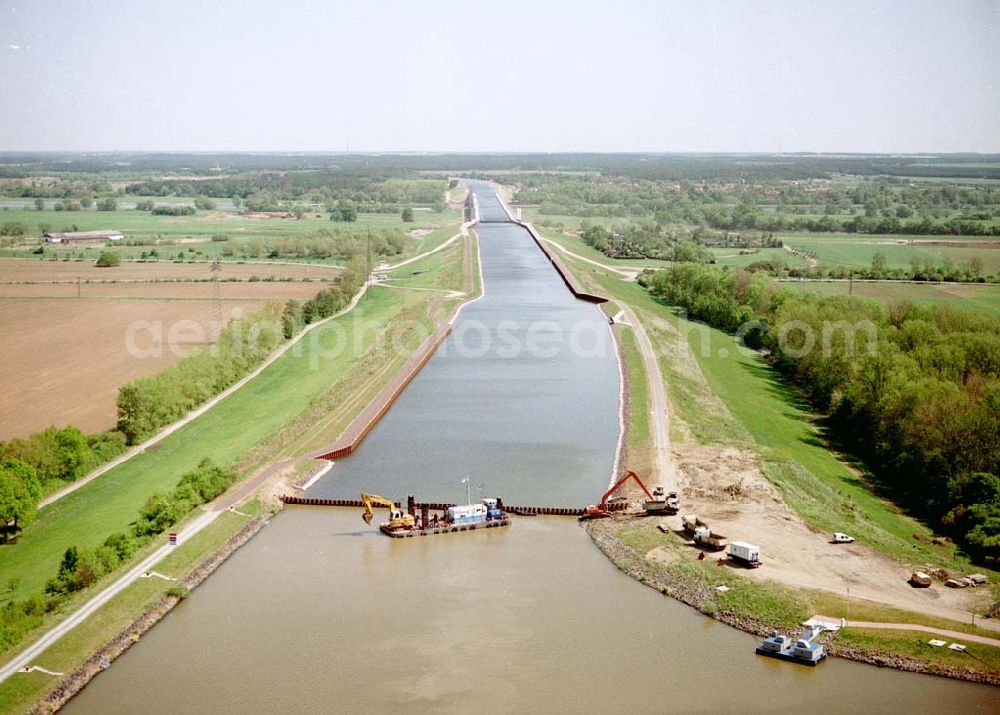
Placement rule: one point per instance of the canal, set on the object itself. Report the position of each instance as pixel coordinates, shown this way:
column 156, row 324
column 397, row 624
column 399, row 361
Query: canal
column 320, row 613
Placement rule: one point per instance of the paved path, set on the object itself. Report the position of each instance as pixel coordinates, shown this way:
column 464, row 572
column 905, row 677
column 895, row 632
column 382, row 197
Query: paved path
column 25, row 658
column 197, row 412
column 439, row 247
column 23, row 661
column 624, row 273
column 953, row 635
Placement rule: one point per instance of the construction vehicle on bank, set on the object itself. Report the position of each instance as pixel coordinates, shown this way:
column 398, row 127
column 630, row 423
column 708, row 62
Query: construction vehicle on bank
column 692, row 523
column 701, row 534
column 744, row 553
column 663, row 502
column 709, row 539
column 652, row 504
column 398, row 519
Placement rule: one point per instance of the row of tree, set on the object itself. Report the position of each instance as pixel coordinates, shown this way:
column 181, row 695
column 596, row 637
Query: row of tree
column 147, row 404
column 636, row 242
column 914, row 391
column 81, row 567
column 337, row 243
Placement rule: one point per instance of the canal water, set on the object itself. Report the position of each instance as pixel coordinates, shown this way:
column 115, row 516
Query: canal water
column 522, row 398
column 320, row 613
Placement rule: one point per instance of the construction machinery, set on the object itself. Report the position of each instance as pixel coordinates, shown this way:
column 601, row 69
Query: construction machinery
column 398, row 519
column 601, row 510
column 705, row 537
column 692, row 523
column 744, row 553
column 663, row 502
column 701, row 534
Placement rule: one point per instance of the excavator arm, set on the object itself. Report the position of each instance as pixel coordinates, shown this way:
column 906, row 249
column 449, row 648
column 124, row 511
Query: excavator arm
column 617, row 485
column 370, row 500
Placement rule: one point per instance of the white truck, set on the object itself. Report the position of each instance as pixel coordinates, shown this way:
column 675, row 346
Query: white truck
column 662, row 502
column 744, row 553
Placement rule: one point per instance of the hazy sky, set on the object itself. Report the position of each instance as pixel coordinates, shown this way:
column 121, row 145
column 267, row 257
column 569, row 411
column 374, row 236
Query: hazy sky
column 609, row 75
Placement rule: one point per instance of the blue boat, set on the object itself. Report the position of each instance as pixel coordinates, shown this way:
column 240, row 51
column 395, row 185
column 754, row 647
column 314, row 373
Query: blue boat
column 804, row 650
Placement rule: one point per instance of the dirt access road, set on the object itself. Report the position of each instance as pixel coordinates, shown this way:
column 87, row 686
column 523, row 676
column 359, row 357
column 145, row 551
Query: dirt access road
column 664, row 471
column 724, row 485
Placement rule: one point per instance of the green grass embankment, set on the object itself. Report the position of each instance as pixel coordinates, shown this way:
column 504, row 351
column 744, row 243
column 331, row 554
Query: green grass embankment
column 639, row 440
column 303, row 399
column 86, row 517
column 826, row 492
column 19, row 691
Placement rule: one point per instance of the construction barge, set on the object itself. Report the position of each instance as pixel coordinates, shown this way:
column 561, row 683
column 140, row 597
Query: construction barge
column 805, row 650
column 488, row 514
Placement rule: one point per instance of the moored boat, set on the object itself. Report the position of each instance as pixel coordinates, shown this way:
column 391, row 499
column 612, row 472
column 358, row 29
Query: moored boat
column 805, row 650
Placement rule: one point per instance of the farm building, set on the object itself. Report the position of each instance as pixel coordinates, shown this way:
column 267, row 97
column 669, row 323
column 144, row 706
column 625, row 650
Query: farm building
column 83, row 237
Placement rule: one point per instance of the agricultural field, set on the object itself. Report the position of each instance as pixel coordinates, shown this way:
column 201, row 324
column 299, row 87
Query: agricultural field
column 65, row 354
column 228, row 433
column 854, row 251
column 228, row 235
column 967, row 296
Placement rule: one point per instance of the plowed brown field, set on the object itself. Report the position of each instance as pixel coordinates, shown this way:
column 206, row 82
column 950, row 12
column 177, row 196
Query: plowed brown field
column 63, row 358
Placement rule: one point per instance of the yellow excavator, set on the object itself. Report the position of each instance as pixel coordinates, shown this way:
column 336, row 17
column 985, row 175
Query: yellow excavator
column 397, row 518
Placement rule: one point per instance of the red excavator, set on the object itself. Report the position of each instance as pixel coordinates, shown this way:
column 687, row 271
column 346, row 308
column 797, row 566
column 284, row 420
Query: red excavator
column 601, row 511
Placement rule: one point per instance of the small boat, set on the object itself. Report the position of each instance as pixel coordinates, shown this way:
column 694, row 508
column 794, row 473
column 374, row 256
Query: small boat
column 804, row 650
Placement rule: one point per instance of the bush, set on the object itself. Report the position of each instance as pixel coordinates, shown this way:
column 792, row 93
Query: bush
column 13, row 228
column 173, row 211
column 157, row 515
column 108, row 259
column 55, row 454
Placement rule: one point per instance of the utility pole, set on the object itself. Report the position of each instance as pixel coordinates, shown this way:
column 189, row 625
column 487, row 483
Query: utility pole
column 369, row 256
column 216, row 326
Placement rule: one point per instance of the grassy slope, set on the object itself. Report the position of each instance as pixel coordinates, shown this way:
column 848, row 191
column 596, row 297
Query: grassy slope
column 639, row 442
column 364, row 378
column 224, row 433
column 19, row 692
column 825, row 491
column 441, row 270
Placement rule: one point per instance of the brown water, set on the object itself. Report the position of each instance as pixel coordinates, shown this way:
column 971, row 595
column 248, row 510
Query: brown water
column 321, row 613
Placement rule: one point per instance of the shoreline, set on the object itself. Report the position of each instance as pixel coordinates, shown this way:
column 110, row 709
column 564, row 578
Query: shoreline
column 97, row 662
column 694, row 593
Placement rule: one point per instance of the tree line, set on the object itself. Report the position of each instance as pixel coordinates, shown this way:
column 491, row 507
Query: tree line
column 41, row 463
column 81, row 567
column 917, row 398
